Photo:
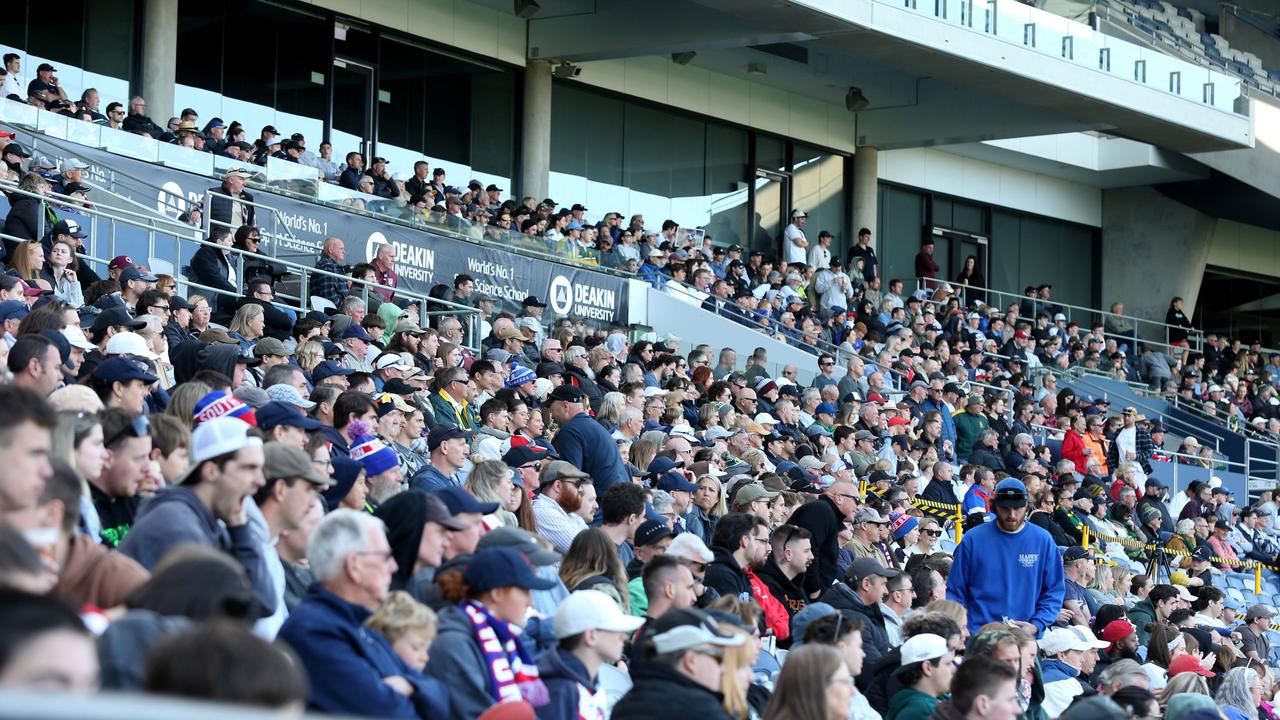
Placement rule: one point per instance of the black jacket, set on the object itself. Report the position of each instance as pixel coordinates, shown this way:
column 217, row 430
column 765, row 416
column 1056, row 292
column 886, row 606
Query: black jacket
column 1046, row 521
column 987, row 458
column 883, row 683
column 220, row 207
column 209, row 267
column 875, row 640
column 824, row 520
column 23, row 221
column 726, row 577
column 939, row 491
column 660, row 690
column 789, row 592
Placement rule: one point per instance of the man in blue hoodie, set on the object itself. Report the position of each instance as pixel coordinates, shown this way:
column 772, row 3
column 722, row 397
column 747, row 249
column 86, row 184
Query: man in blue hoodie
column 1008, row 569
column 591, row 631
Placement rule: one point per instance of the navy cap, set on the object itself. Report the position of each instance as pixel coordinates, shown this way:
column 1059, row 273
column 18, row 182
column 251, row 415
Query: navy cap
column 1203, row 553
column 521, row 454
column 1011, row 493
column 652, row 532
column 440, row 433
column 69, row 227
column 133, row 273
column 825, row 408
column 675, row 482
column 1074, row 553
column 277, row 413
column 499, row 567
column 567, row 393
column 328, row 368
column 13, row 310
column 1154, row 482
column 16, row 149
column 662, row 464
column 459, row 500
column 59, row 341
column 357, row 332
column 118, row 368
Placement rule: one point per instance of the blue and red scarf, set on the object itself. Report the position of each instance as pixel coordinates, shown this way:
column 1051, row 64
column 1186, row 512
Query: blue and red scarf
column 513, row 674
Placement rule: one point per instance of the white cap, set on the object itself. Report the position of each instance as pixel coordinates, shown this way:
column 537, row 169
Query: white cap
column 1087, row 637
column 391, row 360
column 216, row 437
column 73, row 164
column 766, row 419
column 130, row 343
column 592, row 610
column 925, row 646
column 1060, row 640
column 651, row 391
column 684, row 430
column 76, row 337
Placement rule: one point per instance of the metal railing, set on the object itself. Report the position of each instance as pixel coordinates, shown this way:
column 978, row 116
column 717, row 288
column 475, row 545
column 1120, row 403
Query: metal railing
column 1195, row 336
column 162, row 230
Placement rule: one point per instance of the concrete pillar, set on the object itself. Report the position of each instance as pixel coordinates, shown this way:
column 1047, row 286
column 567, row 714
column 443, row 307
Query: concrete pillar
column 1153, row 249
column 866, row 204
column 535, row 134
column 159, row 58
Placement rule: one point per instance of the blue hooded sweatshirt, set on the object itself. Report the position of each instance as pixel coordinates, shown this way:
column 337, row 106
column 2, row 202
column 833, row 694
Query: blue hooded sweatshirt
column 999, row 575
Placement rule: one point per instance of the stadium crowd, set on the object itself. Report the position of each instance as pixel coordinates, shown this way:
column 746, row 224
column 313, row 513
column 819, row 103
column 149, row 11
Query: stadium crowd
column 224, row 498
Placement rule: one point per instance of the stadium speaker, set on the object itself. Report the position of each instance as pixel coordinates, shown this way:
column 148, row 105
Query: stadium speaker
column 527, row 8
column 565, row 71
column 854, row 100
column 683, row 58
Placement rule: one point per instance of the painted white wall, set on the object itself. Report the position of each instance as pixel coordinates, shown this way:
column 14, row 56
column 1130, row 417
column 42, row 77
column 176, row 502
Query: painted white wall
column 986, row 182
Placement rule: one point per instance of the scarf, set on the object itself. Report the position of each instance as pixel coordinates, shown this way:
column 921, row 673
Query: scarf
column 513, row 674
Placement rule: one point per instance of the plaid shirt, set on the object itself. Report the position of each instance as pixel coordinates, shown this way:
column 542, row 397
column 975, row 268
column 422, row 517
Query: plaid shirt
column 330, row 288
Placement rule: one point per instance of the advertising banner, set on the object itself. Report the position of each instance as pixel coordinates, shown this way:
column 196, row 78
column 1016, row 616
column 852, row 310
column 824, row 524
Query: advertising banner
column 424, row 259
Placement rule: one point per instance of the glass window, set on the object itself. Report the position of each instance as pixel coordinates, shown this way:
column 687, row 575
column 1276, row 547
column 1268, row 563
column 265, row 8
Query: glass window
column 817, row 187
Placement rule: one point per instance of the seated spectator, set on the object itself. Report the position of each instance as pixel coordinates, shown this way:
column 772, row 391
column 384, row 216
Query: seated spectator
column 590, row 631
column 44, row 646
column 479, row 653
column 224, row 662
column 682, row 674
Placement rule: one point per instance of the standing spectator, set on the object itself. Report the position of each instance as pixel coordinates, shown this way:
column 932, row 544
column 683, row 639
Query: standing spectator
column 384, row 270
column 590, row 631
column 351, row 560
column 863, row 249
column 583, row 442
column 1008, row 569
column 1180, row 324
column 795, row 245
column 926, row 266
column 331, row 258
column 825, row 518
column 229, row 206
column 480, row 653
column 682, row 675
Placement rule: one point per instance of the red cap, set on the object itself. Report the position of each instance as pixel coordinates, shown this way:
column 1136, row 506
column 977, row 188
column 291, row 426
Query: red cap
column 876, row 397
column 898, row 420
column 1022, row 334
column 1117, row 630
column 120, row 262
column 1188, row 663
column 31, row 290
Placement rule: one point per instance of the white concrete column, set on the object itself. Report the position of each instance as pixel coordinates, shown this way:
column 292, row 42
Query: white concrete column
column 866, row 204
column 535, row 135
column 159, row 58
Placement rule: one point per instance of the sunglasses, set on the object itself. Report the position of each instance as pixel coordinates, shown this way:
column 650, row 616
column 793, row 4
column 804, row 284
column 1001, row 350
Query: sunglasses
column 933, row 533
column 139, row 427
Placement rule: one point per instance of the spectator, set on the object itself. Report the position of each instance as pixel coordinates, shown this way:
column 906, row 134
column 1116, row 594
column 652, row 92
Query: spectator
column 590, row 631
column 114, row 492
column 926, row 266
column 329, row 287
column 138, row 123
column 231, row 205
column 222, row 661
column 1008, row 569
column 815, row 684
column 926, row 670
column 683, row 674
column 859, row 595
column 824, row 519
column 45, row 646
column 449, row 451
column 479, row 653
column 559, row 497
column 583, row 442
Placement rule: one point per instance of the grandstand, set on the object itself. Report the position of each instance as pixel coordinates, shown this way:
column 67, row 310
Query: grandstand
column 956, row 228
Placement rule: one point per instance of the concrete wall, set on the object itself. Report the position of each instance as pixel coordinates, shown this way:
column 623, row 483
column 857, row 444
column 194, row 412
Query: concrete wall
column 1153, row 248
column 986, row 182
column 1245, row 247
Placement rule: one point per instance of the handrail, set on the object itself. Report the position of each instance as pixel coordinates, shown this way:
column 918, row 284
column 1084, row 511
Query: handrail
column 1180, row 425
column 932, row 284
column 190, row 234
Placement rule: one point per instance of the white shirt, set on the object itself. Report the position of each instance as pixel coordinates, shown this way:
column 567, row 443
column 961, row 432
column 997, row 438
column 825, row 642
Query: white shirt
column 13, row 86
column 795, row 253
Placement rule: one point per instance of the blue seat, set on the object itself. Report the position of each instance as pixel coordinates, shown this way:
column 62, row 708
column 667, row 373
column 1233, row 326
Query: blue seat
column 1235, row 594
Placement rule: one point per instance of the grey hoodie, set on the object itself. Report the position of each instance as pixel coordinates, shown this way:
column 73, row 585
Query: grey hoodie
column 176, row 517
column 457, row 662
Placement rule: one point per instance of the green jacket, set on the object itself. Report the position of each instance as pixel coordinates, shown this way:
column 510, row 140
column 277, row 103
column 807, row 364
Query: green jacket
column 969, row 428
column 911, row 704
column 1140, row 614
column 445, row 412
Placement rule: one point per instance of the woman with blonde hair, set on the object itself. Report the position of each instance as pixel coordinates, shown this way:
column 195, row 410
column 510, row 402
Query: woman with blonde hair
column 645, row 449
column 491, row 481
column 201, row 311
column 756, row 458
column 309, row 354
column 247, row 326
column 28, row 261
column 742, row 698
column 953, row 610
column 610, row 413
column 707, row 507
column 592, row 563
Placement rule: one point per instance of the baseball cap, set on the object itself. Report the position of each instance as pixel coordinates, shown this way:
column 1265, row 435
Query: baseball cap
column 459, row 500
column 16, row 149
column 289, row 395
column 522, row 540
column 532, row 301
column 1059, row 640
column 1073, row 553
column 925, row 646
column 863, row 568
column 356, row 332
column 122, row 369
column 129, row 343
column 558, row 470
column 440, row 433
column 566, row 393
column 214, row 438
column 328, row 368
column 133, row 273
column 270, row 346
column 1010, row 493
column 1257, row 611
column 675, row 482
column 522, row 454
column 1086, row 638
column 752, row 492
column 275, row 413
column 1117, row 630
column 290, row 461
column 591, row 610
column 869, row 515
column 13, row 310
column 1188, row 663
column 686, row 629
column 69, row 227
column 652, row 532
column 499, row 567
column 76, row 337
